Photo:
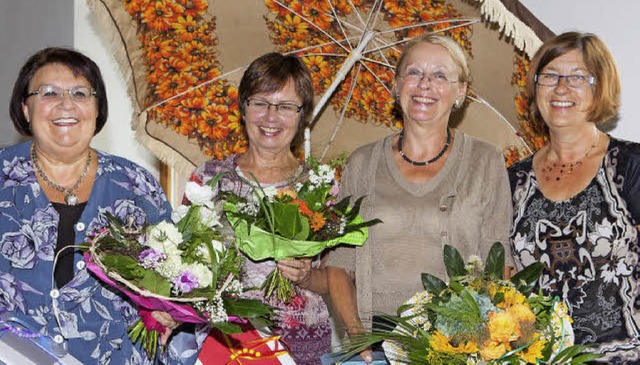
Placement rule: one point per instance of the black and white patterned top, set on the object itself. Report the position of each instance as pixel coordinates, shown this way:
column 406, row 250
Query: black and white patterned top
column 589, row 246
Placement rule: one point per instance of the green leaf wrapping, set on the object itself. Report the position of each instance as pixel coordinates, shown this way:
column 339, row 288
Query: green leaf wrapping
column 525, row 280
column 259, row 244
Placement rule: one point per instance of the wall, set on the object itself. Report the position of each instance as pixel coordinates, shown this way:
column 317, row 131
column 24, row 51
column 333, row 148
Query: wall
column 116, row 137
column 24, row 31
column 615, row 25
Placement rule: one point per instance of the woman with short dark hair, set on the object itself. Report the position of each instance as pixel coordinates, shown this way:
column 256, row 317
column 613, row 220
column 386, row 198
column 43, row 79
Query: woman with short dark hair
column 55, row 191
column 577, row 200
column 275, row 97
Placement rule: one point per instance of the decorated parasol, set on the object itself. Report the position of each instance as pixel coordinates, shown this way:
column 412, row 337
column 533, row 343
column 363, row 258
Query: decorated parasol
column 183, row 59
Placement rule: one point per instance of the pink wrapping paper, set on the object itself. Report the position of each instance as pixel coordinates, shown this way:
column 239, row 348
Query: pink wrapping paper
column 179, row 312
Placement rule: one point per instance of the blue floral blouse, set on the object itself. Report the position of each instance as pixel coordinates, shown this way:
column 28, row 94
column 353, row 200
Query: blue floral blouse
column 93, row 318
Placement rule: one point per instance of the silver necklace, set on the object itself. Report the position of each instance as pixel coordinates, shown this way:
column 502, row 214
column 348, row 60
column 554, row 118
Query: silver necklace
column 69, row 193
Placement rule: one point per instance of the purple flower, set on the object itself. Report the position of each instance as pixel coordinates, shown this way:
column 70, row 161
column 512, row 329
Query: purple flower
column 150, row 258
column 12, row 293
column 185, row 282
column 17, row 172
column 18, row 249
column 44, row 226
column 126, row 211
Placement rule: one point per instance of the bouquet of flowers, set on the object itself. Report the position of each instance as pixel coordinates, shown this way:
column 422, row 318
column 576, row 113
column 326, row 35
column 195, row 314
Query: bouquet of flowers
column 184, row 268
column 299, row 221
column 479, row 318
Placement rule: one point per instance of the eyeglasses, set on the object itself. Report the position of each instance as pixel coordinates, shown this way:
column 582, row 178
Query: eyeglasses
column 574, row 81
column 259, row 106
column 48, row 93
column 415, row 77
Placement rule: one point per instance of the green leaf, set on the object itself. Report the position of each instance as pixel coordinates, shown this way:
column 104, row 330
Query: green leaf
column 246, row 308
column 228, row 327
column 453, row 262
column 156, row 283
column 494, row 265
column 126, row 266
column 432, row 284
column 526, row 279
column 289, row 222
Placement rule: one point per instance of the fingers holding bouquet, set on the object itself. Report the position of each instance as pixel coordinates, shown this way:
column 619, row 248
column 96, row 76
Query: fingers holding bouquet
column 168, row 322
column 297, row 270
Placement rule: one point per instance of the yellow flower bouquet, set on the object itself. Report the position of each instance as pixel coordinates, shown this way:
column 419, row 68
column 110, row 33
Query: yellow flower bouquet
column 479, row 318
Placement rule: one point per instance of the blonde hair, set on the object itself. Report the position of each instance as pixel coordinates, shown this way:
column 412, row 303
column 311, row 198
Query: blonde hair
column 452, row 47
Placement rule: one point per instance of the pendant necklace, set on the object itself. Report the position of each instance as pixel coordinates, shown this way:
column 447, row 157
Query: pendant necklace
column 424, row 163
column 564, row 169
column 69, row 193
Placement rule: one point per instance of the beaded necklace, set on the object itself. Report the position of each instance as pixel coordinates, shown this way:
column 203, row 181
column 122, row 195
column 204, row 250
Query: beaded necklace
column 424, row 163
column 561, row 170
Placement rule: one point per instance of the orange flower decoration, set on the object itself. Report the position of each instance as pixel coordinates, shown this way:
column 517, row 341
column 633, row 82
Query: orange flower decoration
column 317, row 221
column 161, row 14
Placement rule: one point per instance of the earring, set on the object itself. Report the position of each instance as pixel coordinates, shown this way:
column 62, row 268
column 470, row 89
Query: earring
column 456, row 103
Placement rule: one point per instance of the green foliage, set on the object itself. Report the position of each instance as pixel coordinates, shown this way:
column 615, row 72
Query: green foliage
column 495, row 263
column 453, row 262
column 155, row 283
column 433, row 284
column 289, row 222
column 526, row 279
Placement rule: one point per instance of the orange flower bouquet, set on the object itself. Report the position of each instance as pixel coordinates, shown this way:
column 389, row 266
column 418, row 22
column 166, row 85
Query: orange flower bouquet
column 301, row 221
column 479, row 318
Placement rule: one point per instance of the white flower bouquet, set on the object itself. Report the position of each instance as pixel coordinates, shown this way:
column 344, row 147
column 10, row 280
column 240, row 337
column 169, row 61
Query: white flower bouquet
column 182, row 267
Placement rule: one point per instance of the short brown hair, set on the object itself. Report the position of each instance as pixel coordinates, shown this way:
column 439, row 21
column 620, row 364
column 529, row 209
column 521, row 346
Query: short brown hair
column 599, row 62
column 79, row 64
column 270, row 73
column 453, row 48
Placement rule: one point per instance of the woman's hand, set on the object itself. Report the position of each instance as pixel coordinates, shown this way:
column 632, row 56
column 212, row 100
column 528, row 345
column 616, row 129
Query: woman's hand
column 366, row 354
column 168, row 322
column 297, row 270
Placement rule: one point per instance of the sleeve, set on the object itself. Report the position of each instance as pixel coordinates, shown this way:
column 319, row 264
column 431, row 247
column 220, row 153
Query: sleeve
column 498, row 213
column 345, row 256
column 631, row 189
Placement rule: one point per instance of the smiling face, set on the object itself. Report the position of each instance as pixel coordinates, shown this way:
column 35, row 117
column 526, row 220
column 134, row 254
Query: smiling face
column 561, row 105
column 60, row 126
column 428, row 102
column 269, row 130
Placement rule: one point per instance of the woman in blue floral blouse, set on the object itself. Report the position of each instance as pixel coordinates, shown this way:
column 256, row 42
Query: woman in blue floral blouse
column 54, row 191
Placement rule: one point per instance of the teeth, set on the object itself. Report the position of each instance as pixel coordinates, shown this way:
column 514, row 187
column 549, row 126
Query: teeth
column 66, row 121
column 420, row 99
column 269, row 130
column 561, row 104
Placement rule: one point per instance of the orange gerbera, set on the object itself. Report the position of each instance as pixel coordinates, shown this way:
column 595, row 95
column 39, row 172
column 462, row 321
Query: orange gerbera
column 296, row 27
column 234, row 122
column 177, row 83
column 192, row 51
column 158, row 48
column 317, row 221
column 194, row 7
column 185, row 28
column 133, row 6
column 161, row 15
column 276, row 8
column 318, row 12
column 318, row 66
